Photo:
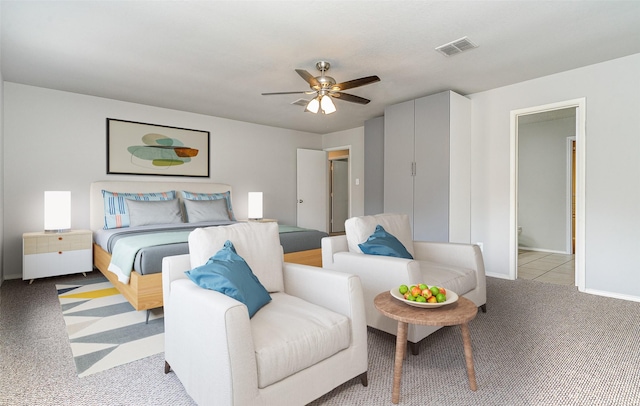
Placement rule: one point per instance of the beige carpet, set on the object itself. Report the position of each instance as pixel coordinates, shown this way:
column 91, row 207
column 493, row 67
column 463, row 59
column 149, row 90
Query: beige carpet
column 538, row 344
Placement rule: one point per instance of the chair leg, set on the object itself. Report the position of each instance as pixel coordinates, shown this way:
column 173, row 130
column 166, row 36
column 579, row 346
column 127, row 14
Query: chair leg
column 167, row 367
column 363, row 379
column 415, row 347
column 483, row 308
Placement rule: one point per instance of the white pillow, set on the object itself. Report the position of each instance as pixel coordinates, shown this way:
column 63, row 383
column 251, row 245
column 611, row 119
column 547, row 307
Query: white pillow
column 206, row 210
column 144, row 213
column 257, row 243
column 358, row 229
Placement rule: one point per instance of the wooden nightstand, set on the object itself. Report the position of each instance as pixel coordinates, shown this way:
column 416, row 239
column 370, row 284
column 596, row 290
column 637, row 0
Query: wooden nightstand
column 52, row 254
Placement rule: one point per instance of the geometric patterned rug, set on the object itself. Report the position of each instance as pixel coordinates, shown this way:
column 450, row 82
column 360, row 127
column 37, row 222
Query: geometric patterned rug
column 104, row 329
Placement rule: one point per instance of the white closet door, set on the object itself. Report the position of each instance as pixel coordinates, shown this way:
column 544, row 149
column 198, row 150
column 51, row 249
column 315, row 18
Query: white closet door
column 431, row 212
column 398, row 158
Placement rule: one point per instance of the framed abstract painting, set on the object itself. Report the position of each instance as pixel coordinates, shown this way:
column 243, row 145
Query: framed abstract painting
column 148, row 149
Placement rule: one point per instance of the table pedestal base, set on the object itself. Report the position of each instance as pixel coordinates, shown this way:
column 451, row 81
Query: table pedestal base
column 455, row 314
column 401, row 345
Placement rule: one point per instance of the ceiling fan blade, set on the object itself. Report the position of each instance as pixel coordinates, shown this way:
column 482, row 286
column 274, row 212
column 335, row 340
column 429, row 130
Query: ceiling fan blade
column 309, row 78
column 350, row 98
column 273, row 93
column 355, row 83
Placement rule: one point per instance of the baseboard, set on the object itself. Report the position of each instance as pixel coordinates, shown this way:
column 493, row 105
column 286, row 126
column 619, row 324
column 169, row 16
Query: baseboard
column 498, row 275
column 13, row 276
column 543, row 250
column 612, row 295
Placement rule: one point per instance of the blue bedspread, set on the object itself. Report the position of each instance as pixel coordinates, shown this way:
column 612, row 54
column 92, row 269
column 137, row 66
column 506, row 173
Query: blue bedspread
column 126, row 248
column 147, row 254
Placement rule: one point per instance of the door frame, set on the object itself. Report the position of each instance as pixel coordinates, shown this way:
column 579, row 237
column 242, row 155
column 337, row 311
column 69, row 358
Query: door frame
column 580, row 105
column 332, row 194
column 569, row 193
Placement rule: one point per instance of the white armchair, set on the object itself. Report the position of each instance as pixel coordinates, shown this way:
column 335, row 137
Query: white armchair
column 459, row 267
column 309, row 339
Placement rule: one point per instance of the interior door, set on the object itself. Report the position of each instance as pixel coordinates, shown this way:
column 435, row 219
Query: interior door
column 339, row 194
column 312, row 206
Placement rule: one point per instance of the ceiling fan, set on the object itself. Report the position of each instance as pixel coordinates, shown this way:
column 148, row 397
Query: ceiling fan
column 325, row 88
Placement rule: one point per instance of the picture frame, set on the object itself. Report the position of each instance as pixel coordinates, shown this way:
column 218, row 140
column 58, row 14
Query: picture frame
column 135, row 148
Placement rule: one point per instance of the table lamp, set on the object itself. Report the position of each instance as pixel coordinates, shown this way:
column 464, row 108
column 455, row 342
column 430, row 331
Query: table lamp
column 255, row 206
column 57, row 212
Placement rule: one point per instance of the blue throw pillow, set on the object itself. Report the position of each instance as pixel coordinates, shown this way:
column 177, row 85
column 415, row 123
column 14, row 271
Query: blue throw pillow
column 383, row 243
column 228, row 273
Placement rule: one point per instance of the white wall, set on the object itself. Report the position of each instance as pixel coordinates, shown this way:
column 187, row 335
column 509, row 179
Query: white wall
column 1, row 168
column 354, row 139
column 542, row 184
column 612, row 92
column 57, row 141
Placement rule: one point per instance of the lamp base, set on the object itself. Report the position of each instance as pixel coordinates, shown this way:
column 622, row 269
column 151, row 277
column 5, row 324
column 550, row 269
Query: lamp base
column 65, row 230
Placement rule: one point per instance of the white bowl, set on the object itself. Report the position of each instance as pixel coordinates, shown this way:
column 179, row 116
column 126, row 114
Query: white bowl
column 452, row 297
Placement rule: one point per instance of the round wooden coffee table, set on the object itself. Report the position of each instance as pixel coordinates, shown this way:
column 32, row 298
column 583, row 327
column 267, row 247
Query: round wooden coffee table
column 459, row 313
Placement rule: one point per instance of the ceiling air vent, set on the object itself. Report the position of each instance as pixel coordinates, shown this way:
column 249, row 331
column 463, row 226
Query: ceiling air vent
column 301, row 102
column 456, row 47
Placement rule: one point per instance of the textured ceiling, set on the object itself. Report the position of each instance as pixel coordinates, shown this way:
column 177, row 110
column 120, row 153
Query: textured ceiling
column 217, row 57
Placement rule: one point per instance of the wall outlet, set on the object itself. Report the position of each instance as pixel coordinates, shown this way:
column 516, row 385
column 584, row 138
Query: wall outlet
column 479, row 244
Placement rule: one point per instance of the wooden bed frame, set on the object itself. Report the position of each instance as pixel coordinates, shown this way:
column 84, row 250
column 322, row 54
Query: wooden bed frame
column 144, row 292
column 308, row 257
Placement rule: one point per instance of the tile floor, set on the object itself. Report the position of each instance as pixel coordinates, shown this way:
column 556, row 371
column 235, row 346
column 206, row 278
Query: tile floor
column 546, row 267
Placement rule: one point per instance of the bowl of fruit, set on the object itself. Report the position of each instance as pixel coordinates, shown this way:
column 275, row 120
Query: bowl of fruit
column 423, row 295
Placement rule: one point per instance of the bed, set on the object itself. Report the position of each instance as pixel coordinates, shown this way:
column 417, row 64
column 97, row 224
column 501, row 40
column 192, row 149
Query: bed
column 302, row 245
column 143, row 289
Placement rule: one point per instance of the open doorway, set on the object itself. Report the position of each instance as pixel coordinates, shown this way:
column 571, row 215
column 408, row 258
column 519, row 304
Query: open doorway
column 545, row 182
column 338, row 189
column 579, row 106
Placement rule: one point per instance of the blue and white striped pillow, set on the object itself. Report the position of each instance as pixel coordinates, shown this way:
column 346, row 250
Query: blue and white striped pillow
column 116, row 213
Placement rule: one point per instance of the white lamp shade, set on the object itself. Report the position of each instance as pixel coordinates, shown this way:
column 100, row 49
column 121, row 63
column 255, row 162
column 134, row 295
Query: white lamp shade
column 327, row 105
column 57, row 211
column 313, row 106
column 255, row 205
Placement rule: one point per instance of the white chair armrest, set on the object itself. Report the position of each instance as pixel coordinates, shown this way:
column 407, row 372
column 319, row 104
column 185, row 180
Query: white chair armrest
column 467, row 256
column 379, row 272
column 173, row 268
column 218, row 326
column 332, row 245
column 332, row 290
column 378, row 267
column 336, row 291
column 459, row 255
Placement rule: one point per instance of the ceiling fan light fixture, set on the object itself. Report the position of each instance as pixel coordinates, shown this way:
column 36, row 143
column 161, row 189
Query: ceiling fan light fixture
column 327, row 105
column 325, row 89
column 313, row 106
